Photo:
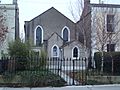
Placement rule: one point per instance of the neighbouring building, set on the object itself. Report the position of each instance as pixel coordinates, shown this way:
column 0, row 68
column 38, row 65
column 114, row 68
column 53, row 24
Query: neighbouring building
column 10, row 13
column 100, row 25
column 105, row 27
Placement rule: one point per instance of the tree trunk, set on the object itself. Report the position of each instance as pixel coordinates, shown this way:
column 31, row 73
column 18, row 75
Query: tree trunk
column 102, row 62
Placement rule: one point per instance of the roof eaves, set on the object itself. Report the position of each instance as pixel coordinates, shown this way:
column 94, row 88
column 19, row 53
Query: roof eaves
column 106, row 5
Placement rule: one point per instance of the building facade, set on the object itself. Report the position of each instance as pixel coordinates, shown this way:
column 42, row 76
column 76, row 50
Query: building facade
column 55, row 33
column 105, row 27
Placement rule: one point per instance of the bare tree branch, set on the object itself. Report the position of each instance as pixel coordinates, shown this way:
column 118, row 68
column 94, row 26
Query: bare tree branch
column 3, row 28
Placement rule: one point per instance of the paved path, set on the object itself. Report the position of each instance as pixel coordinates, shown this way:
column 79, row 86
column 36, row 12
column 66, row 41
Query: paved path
column 66, row 77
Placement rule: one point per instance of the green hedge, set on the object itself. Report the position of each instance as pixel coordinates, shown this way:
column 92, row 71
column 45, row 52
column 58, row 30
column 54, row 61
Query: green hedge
column 108, row 57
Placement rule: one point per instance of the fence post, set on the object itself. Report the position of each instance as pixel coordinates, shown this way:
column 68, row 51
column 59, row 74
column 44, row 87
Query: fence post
column 58, row 66
column 82, row 71
column 86, row 70
column 73, row 72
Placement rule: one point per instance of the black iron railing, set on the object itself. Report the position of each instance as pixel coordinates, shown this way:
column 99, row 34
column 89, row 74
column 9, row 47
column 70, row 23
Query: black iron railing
column 41, row 72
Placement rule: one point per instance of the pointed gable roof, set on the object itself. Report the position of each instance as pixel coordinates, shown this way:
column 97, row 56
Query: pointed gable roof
column 69, row 43
column 55, row 34
column 52, row 9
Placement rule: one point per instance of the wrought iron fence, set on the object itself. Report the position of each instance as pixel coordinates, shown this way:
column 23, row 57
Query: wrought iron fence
column 37, row 72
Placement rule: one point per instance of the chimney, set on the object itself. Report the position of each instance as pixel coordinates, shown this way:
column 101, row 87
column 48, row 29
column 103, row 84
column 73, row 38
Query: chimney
column 15, row 2
column 101, row 2
column 86, row 6
column 86, row 3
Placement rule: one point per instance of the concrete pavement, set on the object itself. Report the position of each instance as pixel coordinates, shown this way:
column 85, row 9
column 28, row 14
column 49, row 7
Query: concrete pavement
column 89, row 87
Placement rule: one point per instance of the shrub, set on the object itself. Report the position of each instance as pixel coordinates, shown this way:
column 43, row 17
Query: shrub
column 20, row 51
column 108, row 58
column 43, row 57
column 38, row 60
column 41, row 78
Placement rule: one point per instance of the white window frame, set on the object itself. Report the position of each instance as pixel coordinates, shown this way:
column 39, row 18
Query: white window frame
column 68, row 32
column 57, row 51
column 35, row 34
column 78, row 52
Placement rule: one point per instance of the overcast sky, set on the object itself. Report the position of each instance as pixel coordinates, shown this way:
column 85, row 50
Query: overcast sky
column 29, row 9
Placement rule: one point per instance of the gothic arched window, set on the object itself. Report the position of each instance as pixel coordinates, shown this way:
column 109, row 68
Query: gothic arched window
column 38, row 36
column 66, row 34
column 55, row 51
column 75, row 52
